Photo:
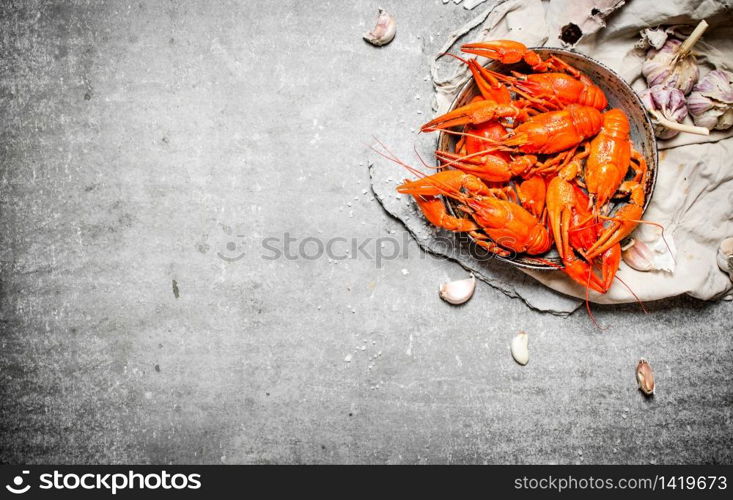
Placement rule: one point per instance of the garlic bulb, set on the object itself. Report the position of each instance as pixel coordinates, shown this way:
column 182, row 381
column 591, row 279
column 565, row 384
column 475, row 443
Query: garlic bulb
column 520, row 348
column 725, row 256
column 459, row 291
column 673, row 64
column 384, row 31
column 711, row 101
column 670, row 103
column 660, row 67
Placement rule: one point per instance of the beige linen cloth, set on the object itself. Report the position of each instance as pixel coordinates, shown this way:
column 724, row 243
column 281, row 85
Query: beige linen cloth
column 693, row 199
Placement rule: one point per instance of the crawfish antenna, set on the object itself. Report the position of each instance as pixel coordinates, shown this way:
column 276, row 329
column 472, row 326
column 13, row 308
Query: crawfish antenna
column 389, row 155
column 632, row 293
column 587, row 304
column 455, row 56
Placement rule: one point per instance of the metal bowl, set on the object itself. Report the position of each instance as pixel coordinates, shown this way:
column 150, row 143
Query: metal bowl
column 619, row 94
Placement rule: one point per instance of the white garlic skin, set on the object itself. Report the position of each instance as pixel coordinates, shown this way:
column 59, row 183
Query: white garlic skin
column 458, row 292
column 725, row 121
column 659, row 70
column 654, row 37
column 520, row 348
column 670, row 102
column 384, row 31
column 711, row 101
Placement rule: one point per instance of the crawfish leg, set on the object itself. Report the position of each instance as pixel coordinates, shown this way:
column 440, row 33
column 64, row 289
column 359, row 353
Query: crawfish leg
column 561, row 160
column 505, row 51
column 532, row 193
column 560, row 201
column 551, row 164
column 638, row 164
column 488, row 167
column 543, row 100
column 582, row 273
column 434, row 210
column 488, row 85
column 475, row 112
column 444, row 182
column 610, row 260
column 557, row 64
column 485, row 243
column 506, row 193
column 622, row 224
column 627, row 217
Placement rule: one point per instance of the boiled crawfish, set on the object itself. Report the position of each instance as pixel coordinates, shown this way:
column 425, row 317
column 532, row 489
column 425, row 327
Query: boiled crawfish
column 538, row 162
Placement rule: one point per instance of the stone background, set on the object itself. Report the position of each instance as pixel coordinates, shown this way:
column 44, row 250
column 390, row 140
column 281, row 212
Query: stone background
column 150, row 148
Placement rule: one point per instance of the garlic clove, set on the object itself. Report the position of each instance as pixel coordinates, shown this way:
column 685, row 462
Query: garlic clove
column 651, row 254
column 717, row 85
column 707, row 119
column 638, row 257
column 711, row 101
column 698, row 104
column 670, row 103
column 384, row 31
column 725, row 256
column 459, row 291
column 520, row 348
column 645, row 377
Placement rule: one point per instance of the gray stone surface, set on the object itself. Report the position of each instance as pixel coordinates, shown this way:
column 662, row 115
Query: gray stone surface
column 145, row 143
